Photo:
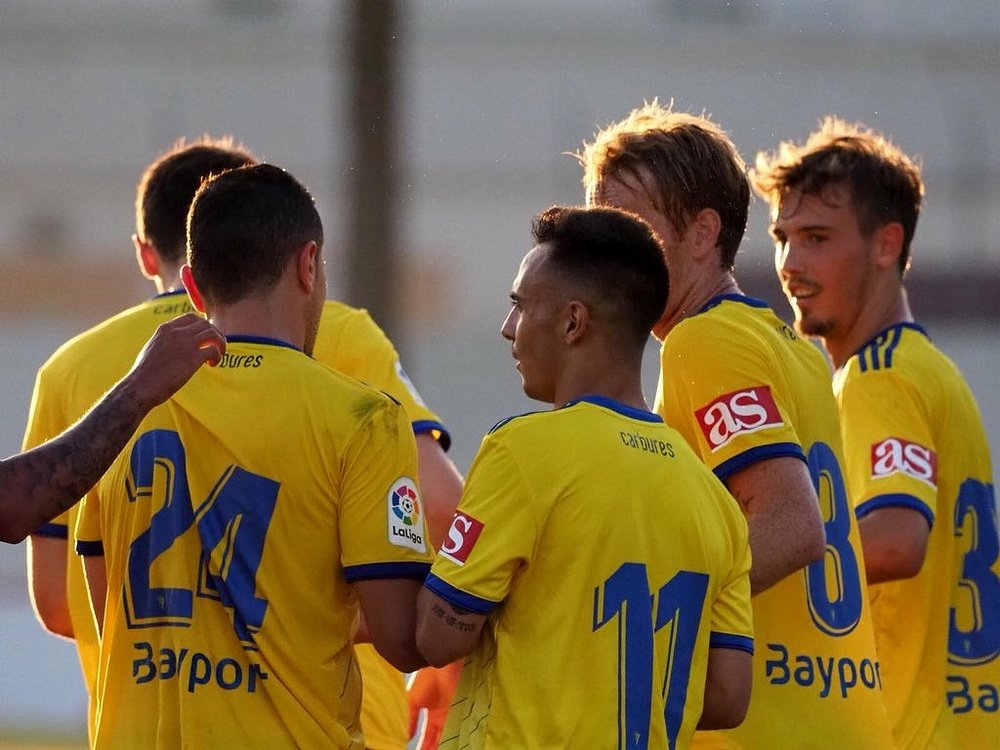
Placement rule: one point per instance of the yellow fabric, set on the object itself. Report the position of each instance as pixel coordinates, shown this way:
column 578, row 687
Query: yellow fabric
column 230, row 615
column 914, row 438
column 571, row 527
column 742, row 387
column 84, row 368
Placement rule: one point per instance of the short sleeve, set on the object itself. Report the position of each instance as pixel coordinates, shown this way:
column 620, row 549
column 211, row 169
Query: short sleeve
column 89, row 535
column 732, row 616
column 492, row 536
column 889, row 448
column 381, row 515
column 718, row 391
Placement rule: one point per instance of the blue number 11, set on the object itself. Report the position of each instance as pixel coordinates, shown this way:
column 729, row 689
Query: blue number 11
column 627, row 597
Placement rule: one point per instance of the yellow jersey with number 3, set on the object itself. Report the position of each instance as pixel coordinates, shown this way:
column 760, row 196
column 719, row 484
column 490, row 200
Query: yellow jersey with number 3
column 914, row 438
column 231, row 528
column 742, row 387
column 609, row 561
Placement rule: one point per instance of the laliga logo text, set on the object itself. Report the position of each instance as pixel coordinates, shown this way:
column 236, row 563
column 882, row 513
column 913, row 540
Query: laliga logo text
column 462, row 536
column 898, row 456
column 738, row 413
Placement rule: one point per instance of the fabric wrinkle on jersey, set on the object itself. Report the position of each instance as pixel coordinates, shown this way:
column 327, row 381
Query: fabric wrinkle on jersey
column 914, row 438
column 741, row 386
column 563, row 512
column 86, row 366
column 233, row 542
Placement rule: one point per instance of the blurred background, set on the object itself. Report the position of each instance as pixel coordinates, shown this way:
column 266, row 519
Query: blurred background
column 430, row 132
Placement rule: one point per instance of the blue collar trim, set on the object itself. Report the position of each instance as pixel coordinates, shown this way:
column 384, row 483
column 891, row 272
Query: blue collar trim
column 260, row 340
column 617, row 406
column 741, row 298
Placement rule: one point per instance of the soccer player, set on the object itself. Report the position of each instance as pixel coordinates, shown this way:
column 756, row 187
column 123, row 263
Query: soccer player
column 228, row 548
column 39, row 484
column 85, row 367
column 596, row 572
column 844, row 207
column 753, row 399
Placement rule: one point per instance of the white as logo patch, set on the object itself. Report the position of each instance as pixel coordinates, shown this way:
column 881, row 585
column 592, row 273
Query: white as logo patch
column 406, row 523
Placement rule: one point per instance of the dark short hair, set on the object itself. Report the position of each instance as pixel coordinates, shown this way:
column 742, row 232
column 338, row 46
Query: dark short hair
column 243, row 228
column 688, row 163
column 168, row 185
column 884, row 183
column 616, row 256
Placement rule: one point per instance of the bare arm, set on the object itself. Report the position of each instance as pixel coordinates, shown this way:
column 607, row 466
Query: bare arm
column 786, row 531
column 440, row 486
column 97, row 586
column 47, row 584
column 388, row 615
column 894, row 541
column 445, row 632
column 727, row 688
column 38, row 485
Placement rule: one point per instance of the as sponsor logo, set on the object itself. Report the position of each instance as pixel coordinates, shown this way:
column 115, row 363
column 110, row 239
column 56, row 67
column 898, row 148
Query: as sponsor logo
column 897, row 456
column 738, row 413
column 406, row 527
column 462, row 536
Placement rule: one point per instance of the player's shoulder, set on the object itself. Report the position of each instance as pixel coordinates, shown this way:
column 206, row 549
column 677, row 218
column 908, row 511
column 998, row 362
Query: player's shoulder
column 728, row 322
column 901, row 354
column 338, row 315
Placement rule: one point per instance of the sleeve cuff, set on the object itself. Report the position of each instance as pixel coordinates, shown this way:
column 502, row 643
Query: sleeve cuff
column 458, row 597
column 898, row 500
column 52, row 531
column 728, row 640
column 422, row 426
column 89, row 549
column 758, row 453
column 374, row 571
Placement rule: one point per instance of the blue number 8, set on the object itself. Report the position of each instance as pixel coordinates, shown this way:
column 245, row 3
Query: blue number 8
column 836, row 612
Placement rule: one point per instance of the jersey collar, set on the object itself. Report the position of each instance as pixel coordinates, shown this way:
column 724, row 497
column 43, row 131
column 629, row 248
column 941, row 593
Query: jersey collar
column 240, row 339
column 617, row 406
column 741, row 298
column 885, row 331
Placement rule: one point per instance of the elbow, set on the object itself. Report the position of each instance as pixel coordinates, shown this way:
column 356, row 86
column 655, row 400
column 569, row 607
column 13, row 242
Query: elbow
column 54, row 620
column 435, row 650
column 405, row 657
column 815, row 547
column 14, row 531
column 728, row 715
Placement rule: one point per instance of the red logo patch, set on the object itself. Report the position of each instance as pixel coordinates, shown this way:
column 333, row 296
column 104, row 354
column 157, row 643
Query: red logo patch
column 738, row 413
column 897, row 456
column 462, row 536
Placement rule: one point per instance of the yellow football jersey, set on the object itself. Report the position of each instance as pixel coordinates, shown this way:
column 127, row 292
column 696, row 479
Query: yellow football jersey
column 232, row 526
column 84, row 368
column 741, row 387
column 609, row 560
column 914, row 438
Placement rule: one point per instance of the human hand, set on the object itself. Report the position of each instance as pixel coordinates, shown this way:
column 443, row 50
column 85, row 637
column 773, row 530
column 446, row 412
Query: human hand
column 169, row 359
column 430, row 691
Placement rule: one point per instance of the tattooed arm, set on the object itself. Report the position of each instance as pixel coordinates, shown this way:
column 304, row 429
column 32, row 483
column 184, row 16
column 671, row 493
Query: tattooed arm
column 39, row 484
column 445, row 632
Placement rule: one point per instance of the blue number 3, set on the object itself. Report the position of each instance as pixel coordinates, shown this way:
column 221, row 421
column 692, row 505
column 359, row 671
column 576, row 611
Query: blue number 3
column 232, row 524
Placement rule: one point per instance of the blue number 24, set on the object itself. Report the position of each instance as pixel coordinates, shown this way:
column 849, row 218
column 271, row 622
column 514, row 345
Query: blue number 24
column 235, row 515
column 626, row 596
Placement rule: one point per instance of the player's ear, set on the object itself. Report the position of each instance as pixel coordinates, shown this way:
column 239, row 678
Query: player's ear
column 187, row 278
column 576, row 321
column 307, row 262
column 888, row 245
column 147, row 258
column 704, row 231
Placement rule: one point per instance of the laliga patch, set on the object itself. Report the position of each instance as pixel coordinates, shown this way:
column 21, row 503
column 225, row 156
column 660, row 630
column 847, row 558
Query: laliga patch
column 897, row 456
column 462, row 536
column 738, row 413
column 401, row 374
column 406, row 527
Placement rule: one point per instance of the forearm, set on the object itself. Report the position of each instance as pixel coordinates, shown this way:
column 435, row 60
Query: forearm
column 39, row 484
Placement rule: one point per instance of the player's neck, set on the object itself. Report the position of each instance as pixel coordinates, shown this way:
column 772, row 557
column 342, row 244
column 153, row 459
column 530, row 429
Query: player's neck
column 876, row 316
column 616, row 379
column 168, row 280
column 267, row 318
column 684, row 303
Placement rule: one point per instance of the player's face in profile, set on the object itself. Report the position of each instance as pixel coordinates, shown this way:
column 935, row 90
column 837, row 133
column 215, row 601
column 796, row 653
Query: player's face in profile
column 823, row 260
column 627, row 193
column 532, row 326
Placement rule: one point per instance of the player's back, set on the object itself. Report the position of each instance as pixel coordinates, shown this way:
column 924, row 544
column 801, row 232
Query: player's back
column 742, row 387
column 914, row 438
column 231, row 527
column 621, row 548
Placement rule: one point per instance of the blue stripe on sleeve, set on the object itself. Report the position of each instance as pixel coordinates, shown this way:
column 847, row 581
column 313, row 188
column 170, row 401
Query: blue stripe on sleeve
column 423, row 426
column 728, row 640
column 90, row 549
column 458, row 597
column 753, row 455
column 52, row 531
column 373, row 571
column 895, row 500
